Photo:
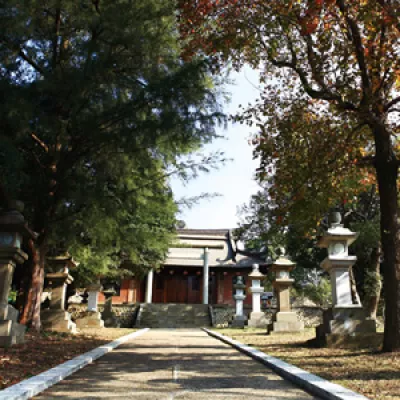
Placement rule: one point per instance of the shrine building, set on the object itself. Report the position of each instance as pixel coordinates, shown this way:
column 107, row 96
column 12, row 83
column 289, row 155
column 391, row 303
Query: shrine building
column 200, row 268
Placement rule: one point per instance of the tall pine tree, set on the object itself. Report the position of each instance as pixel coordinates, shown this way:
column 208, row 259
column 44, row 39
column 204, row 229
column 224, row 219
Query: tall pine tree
column 89, row 85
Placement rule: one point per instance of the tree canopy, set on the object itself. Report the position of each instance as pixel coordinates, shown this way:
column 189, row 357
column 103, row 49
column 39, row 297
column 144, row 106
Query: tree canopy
column 331, row 74
column 97, row 105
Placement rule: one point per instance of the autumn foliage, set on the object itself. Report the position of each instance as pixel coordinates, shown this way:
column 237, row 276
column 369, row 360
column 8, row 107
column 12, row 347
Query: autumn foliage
column 328, row 115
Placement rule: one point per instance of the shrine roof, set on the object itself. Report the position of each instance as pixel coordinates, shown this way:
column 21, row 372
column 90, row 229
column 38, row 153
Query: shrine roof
column 191, row 244
column 203, row 232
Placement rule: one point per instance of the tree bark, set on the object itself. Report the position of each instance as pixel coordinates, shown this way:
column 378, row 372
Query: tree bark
column 387, row 171
column 26, row 316
column 374, row 284
column 353, row 287
column 38, row 285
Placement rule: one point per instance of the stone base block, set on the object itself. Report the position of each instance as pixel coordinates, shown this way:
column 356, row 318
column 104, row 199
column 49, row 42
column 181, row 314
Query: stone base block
column 285, row 327
column 11, row 332
column 92, row 319
column 57, row 321
column 9, row 313
column 343, row 322
column 352, row 326
column 346, row 321
column 238, row 322
column 286, row 322
column 342, row 313
column 345, row 328
column 257, row 320
column 354, row 341
column 110, row 319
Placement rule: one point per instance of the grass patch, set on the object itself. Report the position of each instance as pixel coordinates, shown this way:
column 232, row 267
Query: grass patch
column 368, row 371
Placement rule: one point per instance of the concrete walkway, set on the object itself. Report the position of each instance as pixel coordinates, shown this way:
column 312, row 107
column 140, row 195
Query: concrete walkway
column 175, row 364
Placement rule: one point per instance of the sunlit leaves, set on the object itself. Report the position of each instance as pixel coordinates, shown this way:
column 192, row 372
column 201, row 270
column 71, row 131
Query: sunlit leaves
column 329, row 70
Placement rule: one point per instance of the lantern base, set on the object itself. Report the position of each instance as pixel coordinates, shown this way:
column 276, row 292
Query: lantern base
column 239, row 321
column 285, row 322
column 356, row 340
column 57, row 321
column 110, row 319
column 344, row 321
column 91, row 319
column 11, row 332
column 257, row 320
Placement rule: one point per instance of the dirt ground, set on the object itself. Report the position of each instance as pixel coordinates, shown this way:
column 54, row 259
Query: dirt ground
column 368, row 371
column 47, row 350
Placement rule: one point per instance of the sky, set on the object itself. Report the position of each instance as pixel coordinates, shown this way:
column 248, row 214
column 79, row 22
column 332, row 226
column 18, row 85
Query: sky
column 234, row 181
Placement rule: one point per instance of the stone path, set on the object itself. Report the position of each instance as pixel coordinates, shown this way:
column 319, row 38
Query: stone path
column 175, row 364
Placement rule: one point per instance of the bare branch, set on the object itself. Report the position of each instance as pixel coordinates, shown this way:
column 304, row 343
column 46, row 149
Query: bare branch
column 324, row 94
column 315, row 94
column 32, row 63
column 358, row 46
column 40, row 142
column 392, row 103
column 312, row 60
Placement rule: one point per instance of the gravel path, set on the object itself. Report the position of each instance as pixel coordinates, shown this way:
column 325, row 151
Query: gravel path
column 175, row 364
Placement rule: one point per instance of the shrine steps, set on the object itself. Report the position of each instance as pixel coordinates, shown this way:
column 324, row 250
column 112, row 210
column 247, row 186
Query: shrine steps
column 173, row 315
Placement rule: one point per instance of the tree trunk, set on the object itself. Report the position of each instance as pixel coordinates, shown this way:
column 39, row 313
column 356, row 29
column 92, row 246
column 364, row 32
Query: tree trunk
column 353, row 287
column 26, row 316
column 386, row 171
column 38, row 285
column 373, row 284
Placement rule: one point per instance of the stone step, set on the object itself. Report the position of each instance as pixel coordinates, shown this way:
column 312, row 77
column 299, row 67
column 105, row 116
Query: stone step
column 182, row 321
column 174, row 315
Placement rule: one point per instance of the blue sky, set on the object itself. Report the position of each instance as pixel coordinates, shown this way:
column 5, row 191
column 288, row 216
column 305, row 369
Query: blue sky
column 234, row 181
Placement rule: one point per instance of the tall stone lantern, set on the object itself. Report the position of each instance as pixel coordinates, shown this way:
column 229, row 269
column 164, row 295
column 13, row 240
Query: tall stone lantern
column 56, row 317
column 285, row 320
column 344, row 317
column 108, row 315
column 92, row 317
column 257, row 317
column 12, row 231
column 239, row 319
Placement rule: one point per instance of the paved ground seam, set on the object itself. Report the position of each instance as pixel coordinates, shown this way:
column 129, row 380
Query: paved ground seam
column 179, row 364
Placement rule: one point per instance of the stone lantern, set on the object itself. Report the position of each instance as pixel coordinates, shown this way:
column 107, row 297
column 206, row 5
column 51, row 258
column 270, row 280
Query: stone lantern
column 285, row 320
column 92, row 317
column 108, row 315
column 344, row 317
column 93, row 296
column 56, row 317
column 239, row 319
column 12, row 231
column 257, row 317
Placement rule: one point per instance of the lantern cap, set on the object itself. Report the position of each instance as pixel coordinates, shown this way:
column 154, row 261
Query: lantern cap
column 14, row 221
column 95, row 287
column 283, row 262
column 60, row 276
column 337, row 233
column 65, row 260
column 239, row 283
column 110, row 291
column 256, row 274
